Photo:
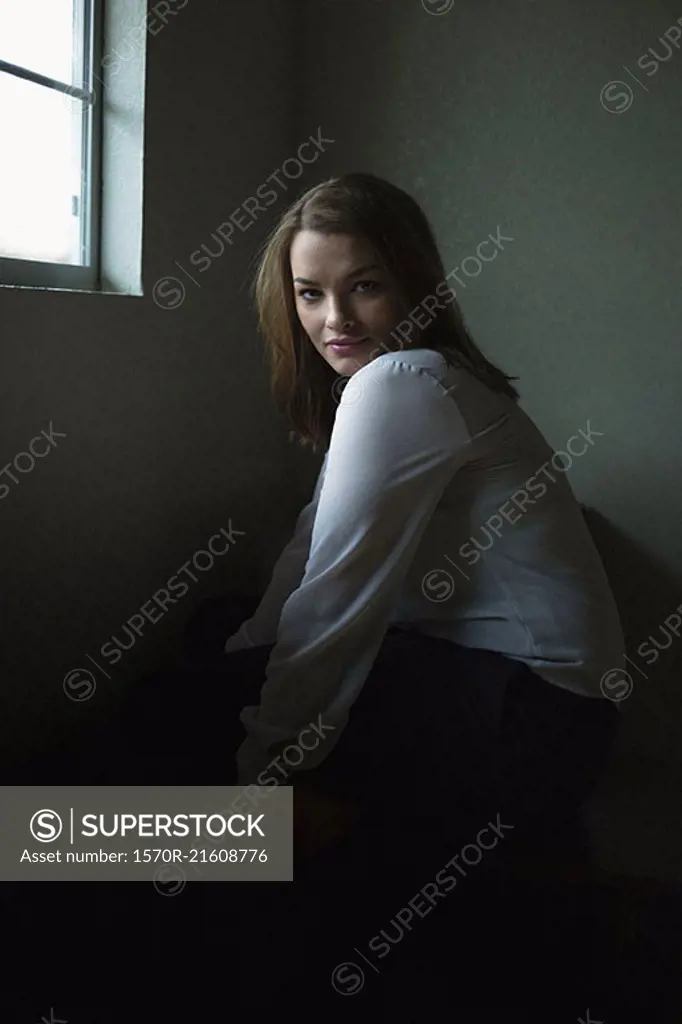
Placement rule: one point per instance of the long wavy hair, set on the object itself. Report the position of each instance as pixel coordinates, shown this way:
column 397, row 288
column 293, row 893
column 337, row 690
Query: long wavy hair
column 359, row 204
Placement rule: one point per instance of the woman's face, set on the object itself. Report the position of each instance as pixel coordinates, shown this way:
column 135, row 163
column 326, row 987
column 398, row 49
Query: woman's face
column 343, row 292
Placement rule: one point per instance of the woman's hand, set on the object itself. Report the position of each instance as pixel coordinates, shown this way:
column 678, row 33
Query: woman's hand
column 319, row 819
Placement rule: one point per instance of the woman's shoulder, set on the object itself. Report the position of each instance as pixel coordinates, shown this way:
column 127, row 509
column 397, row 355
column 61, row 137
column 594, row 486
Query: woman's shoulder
column 412, row 358
column 413, row 363
column 443, row 368
column 430, row 360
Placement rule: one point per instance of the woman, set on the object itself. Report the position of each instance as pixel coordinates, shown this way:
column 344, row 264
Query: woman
column 443, row 575
column 425, row 663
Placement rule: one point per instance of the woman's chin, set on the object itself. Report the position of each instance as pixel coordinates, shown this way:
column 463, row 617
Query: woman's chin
column 350, row 362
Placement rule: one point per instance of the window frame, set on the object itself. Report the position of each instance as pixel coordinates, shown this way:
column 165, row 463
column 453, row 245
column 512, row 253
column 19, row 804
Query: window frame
column 89, row 45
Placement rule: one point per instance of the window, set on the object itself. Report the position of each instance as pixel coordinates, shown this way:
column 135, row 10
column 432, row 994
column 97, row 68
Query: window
column 50, row 107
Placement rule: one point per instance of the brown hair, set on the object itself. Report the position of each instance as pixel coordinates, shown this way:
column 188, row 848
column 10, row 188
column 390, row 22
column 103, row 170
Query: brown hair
column 394, row 224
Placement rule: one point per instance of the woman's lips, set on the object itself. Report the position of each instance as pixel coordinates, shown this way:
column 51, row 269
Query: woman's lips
column 343, row 347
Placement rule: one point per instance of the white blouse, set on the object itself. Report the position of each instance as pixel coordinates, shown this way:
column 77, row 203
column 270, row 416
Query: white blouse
column 440, row 508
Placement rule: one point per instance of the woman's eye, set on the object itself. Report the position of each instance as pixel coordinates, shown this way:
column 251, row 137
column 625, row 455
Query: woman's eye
column 310, row 294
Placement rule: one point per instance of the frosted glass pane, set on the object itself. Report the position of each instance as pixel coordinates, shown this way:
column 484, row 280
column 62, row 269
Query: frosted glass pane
column 40, row 172
column 38, row 34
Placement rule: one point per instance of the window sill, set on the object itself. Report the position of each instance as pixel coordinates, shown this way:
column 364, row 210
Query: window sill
column 74, row 291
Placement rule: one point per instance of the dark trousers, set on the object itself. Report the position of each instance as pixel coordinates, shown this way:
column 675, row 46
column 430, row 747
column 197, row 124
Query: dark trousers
column 440, row 735
column 436, row 728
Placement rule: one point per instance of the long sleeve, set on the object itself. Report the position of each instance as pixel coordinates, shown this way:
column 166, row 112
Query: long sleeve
column 261, row 628
column 396, row 442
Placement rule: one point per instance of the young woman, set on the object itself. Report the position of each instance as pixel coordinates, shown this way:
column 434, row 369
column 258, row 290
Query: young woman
column 424, row 667
column 439, row 623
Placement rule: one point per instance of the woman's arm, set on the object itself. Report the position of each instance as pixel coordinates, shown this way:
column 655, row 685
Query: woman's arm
column 395, row 445
column 261, row 628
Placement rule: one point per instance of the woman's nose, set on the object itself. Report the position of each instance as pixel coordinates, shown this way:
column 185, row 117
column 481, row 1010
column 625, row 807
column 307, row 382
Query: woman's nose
column 338, row 315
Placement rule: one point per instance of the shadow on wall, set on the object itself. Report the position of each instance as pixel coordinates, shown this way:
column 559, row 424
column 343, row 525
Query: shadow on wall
column 649, row 600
